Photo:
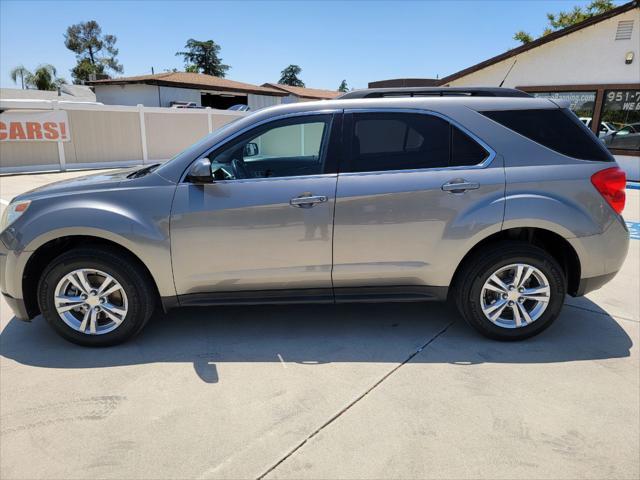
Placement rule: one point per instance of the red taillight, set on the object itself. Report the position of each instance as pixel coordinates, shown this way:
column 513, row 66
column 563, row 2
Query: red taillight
column 611, row 183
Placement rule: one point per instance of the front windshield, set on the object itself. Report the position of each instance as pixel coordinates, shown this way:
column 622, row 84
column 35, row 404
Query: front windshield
column 166, row 169
column 200, row 144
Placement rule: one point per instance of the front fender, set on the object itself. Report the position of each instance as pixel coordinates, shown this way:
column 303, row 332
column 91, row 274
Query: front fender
column 136, row 219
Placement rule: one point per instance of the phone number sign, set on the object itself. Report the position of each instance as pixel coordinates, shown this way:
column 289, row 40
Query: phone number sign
column 628, row 100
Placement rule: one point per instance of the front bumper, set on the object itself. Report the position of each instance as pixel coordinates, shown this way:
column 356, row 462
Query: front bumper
column 18, row 306
column 11, row 268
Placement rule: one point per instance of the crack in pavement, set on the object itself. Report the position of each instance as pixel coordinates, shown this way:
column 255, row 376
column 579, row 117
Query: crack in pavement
column 352, row 403
column 602, row 313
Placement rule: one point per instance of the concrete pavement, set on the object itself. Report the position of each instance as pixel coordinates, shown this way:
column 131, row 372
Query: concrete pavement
column 324, row 391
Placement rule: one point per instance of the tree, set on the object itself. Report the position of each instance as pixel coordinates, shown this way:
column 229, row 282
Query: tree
column 577, row 15
column 523, row 37
column 343, row 87
column 21, row 72
column 566, row 19
column 96, row 53
column 44, row 78
column 289, row 76
column 203, row 57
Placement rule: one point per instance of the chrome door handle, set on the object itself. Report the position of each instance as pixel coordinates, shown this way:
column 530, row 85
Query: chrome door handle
column 459, row 186
column 307, row 201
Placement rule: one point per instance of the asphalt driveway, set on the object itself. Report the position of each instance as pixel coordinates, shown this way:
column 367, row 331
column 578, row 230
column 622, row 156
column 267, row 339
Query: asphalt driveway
column 328, row 391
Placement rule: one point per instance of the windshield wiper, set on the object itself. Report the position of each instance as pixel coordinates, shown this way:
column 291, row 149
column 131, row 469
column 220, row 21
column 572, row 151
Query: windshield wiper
column 143, row 171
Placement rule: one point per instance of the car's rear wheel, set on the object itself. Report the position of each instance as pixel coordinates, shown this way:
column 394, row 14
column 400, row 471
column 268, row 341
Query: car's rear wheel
column 95, row 297
column 511, row 291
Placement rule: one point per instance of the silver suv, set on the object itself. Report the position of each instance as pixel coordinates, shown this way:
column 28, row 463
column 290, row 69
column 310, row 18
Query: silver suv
column 497, row 201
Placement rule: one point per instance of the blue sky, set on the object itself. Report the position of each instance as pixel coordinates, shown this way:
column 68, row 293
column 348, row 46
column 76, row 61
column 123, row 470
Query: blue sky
column 358, row 41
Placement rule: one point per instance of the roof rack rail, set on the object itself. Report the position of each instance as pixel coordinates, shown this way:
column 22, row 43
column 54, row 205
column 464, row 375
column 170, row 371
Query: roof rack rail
column 434, row 92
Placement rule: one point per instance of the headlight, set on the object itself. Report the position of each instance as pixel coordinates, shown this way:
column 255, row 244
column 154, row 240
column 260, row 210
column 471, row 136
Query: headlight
column 13, row 211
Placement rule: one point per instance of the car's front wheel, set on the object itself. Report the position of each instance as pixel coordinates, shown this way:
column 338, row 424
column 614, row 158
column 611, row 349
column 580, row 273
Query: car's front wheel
column 511, row 291
column 95, row 297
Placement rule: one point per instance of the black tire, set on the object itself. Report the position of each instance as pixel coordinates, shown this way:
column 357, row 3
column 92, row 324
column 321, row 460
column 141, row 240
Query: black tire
column 477, row 269
column 124, row 269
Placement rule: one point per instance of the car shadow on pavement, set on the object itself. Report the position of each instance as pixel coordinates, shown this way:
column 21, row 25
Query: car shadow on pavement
column 316, row 334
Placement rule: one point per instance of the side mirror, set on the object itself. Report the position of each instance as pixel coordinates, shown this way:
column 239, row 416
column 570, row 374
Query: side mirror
column 200, row 172
column 250, row 150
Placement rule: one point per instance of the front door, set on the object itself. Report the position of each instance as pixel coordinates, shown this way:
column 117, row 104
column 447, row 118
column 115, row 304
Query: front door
column 263, row 230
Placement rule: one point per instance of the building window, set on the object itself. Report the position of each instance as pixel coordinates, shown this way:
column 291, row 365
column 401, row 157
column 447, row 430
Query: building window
column 580, row 103
column 620, row 120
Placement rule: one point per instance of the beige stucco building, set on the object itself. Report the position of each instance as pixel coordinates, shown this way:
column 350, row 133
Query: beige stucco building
column 594, row 65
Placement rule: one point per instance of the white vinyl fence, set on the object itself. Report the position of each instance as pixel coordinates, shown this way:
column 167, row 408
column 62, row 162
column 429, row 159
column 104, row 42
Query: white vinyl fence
column 97, row 136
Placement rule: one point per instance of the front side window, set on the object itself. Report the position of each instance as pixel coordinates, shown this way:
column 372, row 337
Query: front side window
column 406, row 141
column 620, row 122
column 283, row 149
column 557, row 129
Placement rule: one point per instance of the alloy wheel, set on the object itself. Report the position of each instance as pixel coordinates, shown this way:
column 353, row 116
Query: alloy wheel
column 515, row 296
column 91, row 301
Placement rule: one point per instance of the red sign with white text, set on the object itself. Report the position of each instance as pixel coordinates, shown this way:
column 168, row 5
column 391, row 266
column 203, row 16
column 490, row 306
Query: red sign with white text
column 49, row 126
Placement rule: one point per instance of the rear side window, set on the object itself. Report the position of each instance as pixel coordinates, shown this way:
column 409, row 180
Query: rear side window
column 465, row 150
column 557, row 129
column 399, row 141
column 407, row 141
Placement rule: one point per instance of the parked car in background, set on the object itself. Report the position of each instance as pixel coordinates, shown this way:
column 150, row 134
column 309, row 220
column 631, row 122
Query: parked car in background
column 499, row 202
column 627, row 138
column 606, row 128
column 240, row 108
column 185, row 105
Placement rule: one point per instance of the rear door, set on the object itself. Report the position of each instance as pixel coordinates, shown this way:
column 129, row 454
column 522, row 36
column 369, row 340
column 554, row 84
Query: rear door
column 413, row 196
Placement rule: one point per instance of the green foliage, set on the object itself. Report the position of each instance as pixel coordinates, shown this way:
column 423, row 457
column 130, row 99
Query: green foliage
column 21, row 72
column 343, row 87
column 523, row 37
column 203, row 57
column 577, row 15
column 44, row 78
column 289, row 76
column 84, row 69
column 558, row 21
column 96, row 53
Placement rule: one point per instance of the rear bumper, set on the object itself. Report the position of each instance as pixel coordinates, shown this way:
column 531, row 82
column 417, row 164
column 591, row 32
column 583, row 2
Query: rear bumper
column 601, row 256
column 593, row 283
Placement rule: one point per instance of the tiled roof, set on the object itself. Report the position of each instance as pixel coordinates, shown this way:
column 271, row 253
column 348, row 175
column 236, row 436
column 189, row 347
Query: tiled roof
column 305, row 92
column 190, row 80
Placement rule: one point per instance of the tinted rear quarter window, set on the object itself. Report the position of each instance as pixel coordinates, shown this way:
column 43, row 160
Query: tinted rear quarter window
column 557, row 129
column 465, row 151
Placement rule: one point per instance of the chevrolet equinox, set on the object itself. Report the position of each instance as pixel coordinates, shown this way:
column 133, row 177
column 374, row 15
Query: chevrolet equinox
column 497, row 201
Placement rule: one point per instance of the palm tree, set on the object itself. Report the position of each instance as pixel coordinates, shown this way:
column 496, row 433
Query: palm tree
column 21, row 72
column 44, row 78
